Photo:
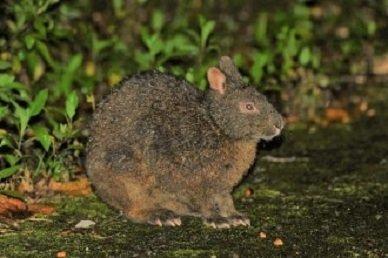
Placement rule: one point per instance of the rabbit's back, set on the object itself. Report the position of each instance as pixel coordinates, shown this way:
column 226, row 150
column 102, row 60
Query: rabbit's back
column 149, row 117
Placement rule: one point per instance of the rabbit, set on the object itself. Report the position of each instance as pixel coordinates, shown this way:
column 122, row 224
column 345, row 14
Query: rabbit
column 159, row 148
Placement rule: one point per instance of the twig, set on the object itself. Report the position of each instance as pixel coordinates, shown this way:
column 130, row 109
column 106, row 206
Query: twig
column 284, row 159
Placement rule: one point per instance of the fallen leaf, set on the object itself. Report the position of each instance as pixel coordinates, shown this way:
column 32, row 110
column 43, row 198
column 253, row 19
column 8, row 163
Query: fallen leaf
column 292, row 119
column 248, row 192
column 371, row 112
column 363, row 105
column 380, row 65
column 85, row 224
column 38, row 208
column 10, row 206
column 278, row 242
column 25, row 187
column 113, row 79
column 337, row 115
column 262, row 234
column 61, row 254
column 75, row 188
column 90, row 68
column 342, row 32
column 316, row 12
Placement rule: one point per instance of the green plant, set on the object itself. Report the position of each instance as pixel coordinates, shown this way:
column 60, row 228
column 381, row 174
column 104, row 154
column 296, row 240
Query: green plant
column 176, row 45
column 58, row 57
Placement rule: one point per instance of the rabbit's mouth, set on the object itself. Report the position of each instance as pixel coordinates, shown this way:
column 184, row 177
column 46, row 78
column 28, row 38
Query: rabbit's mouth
column 277, row 132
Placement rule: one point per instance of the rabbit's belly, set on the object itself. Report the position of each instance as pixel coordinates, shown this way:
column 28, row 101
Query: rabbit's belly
column 238, row 159
column 219, row 173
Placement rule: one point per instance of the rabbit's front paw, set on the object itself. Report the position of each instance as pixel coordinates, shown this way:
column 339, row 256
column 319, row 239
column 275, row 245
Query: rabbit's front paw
column 239, row 220
column 227, row 222
column 164, row 218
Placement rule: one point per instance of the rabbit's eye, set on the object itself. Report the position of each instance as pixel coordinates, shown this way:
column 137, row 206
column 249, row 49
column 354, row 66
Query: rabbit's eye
column 249, row 107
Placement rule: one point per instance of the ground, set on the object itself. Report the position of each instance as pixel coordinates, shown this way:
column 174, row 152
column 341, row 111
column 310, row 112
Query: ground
column 327, row 202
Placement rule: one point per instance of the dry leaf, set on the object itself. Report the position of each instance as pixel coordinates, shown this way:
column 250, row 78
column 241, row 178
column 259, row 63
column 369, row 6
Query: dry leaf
column 40, row 208
column 342, row 32
column 75, row 188
column 316, row 12
column 262, row 235
column 363, row 105
column 61, row 254
column 292, row 119
column 248, row 192
column 337, row 115
column 85, row 224
column 371, row 112
column 380, row 65
column 12, row 206
column 8, row 206
column 278, row 242
column 25, row 187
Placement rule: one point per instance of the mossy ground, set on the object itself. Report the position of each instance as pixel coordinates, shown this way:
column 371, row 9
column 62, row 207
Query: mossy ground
column 329, row 205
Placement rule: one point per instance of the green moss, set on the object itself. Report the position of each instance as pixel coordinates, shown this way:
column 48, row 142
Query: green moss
column 331, row 205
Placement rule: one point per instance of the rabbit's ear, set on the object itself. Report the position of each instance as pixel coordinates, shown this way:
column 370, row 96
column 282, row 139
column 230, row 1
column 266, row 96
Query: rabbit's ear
column 228, row 67
column 216, row 80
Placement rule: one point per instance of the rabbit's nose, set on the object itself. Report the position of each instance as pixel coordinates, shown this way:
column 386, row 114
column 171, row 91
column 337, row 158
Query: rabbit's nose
column 279, row 126
column 280, row 123
column 277, row 130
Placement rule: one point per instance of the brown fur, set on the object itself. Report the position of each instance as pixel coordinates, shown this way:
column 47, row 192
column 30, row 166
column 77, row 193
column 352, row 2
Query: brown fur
column 159, row 148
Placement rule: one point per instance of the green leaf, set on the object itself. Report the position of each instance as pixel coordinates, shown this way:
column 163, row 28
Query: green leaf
column 35, row 65
column 157, row 20
column 371, row 27
column 207, row 28
column 43, row 136
column 6, row 79
column 40, row 27
column 24, row 117
column 30, row 41
column 71, row 104
column 4, row 65
column 11, row 159
column 260, row 60
column 98, row 44
column 68, row 76
column 305, row 56
column 143, row 59
column 45, row 4
column 7, row 141
column 261, row 28
column 44, row 51
column 3, row 111
column 14, row 194
column 39, row 102
column 118, row 7
column 7, row 172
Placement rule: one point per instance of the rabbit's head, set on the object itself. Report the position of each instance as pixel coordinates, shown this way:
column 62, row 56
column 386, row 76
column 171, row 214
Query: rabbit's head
column 239, row 110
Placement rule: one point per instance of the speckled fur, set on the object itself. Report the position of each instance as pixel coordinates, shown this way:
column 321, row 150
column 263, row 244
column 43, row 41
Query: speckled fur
column 159, row 144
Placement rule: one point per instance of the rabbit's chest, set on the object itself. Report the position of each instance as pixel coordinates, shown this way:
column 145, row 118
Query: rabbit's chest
column 237, row 160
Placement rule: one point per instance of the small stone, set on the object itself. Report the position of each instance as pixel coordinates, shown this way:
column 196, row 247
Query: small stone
column 342, row 32
column 371, row 112
column 278, row 242
column 263, row 235
column 61, row 254
column 85, row 224
column 248, row 192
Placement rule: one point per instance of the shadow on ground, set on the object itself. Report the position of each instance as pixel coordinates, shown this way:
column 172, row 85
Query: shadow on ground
column 329, row 201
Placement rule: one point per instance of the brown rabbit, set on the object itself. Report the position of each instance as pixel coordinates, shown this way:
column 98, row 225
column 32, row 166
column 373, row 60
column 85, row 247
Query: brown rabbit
column 160, row 149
